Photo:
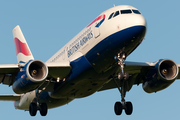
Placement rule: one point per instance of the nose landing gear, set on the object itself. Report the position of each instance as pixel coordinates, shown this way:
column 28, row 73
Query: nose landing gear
column 122, row 76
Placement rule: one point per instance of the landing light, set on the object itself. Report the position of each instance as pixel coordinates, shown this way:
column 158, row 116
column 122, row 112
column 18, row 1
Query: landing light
column 58, row 79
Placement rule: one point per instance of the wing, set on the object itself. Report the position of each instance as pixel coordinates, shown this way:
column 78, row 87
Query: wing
column 8, row 73
column 136, row 72
column 59, row 69
column 10, row 97
column 56, row 70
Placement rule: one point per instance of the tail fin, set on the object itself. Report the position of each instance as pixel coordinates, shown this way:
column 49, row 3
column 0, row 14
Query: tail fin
column 22, row 49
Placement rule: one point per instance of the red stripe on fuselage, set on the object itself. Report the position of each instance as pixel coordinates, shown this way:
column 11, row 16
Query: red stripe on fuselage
column 21, row 47
column 98, row 18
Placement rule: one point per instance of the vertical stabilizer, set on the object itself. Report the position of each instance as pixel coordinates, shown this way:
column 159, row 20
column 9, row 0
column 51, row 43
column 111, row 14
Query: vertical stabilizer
column 22, row 49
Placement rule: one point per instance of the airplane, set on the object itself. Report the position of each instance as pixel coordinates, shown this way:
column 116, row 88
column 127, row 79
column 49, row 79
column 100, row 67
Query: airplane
column 94, row 60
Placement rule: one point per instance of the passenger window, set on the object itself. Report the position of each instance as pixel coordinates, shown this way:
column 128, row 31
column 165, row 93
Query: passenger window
column 116, row 13
column 110, row 16
column 136, row 11
column 126, row 11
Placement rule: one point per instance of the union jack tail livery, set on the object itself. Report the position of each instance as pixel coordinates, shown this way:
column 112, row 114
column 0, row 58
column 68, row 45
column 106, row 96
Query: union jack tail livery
column 22, row 49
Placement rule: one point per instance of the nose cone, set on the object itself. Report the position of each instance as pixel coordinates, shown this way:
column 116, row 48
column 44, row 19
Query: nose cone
column 135, row 20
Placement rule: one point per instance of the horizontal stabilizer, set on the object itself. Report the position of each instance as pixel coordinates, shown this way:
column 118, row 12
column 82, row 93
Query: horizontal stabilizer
column 10, row 97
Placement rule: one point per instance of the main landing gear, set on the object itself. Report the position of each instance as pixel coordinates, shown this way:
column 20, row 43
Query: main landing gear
column 36, row 105
column 122, row 76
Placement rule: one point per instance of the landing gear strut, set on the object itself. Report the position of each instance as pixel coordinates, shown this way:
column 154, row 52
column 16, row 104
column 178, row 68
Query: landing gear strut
column 36, row 105
column 122, row 76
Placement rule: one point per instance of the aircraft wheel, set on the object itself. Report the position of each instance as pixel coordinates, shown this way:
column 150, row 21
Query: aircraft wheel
column 33, row 109
column 129, row 108
column 118, row 108
column 43, row 109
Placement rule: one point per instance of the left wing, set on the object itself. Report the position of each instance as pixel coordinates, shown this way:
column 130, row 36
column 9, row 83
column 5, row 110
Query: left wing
column 135, row 69
column 156, row 76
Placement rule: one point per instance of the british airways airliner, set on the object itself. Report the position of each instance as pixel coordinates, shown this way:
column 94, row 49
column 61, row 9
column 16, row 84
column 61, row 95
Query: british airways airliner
column 94, row 60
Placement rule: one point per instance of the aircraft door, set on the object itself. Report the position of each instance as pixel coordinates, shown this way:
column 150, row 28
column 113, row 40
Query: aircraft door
column 96, row 30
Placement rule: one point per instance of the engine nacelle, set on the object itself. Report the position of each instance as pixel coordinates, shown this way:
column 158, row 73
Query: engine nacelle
column 30, row 77
column 158, row 78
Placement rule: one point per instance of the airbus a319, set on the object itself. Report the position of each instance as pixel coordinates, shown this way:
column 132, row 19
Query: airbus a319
column 94, row 60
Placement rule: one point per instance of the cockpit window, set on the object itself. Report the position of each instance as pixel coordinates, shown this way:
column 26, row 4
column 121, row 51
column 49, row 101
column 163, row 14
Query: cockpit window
column 116, row 13
column 136, row 11
column 126, row 11
column 110, row 16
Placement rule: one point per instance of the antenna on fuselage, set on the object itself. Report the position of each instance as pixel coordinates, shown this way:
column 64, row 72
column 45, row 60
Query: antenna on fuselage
column 114, row 5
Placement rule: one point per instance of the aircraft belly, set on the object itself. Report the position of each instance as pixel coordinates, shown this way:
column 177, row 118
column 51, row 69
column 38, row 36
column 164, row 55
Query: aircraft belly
column 51, row 102
column 85, row 84
column 85, row 77
column 101, row 56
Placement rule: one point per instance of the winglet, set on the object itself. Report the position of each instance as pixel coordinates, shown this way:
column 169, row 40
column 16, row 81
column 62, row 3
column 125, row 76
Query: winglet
column 22, row 49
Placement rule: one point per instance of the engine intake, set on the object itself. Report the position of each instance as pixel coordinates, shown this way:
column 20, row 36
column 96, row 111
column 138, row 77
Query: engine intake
column 168, row 69
column 164, row 74
column 37, row 71
column 30, row 77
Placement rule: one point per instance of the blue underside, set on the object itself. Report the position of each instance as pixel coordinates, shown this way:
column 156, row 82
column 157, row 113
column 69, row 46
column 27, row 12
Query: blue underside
column 78, row 66
column 88, row 65
column 115, row 42
column 102, row 55
column 107, row 49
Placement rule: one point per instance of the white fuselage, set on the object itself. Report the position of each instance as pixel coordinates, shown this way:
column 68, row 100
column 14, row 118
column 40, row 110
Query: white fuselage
column 76, row 47
column 96, row 32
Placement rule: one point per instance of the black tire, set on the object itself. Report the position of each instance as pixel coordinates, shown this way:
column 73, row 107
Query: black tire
column 118, row 108
column 129, row 108
column 43, row 109
column 33, row 109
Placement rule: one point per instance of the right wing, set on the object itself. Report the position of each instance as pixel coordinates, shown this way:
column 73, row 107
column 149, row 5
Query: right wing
column 59, row 69
column 8, row 73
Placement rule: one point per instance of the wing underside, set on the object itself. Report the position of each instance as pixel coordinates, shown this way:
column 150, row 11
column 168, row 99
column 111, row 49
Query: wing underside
column 60, row 70
column 8, row 73
column 135, row 70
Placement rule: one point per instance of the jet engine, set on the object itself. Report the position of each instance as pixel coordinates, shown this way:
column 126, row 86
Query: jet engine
column 30, row 77
column 161, row 76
